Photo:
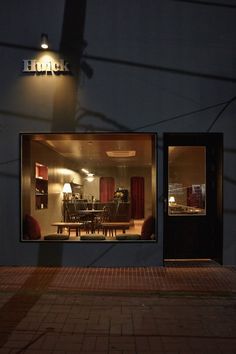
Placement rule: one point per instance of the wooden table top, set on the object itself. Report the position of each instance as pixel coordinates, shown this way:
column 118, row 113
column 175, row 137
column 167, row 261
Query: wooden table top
column 116, row 224
column 90, row 211
column 67, row 224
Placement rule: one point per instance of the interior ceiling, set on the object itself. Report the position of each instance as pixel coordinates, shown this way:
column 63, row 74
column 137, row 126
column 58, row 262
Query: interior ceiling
column 89, row 151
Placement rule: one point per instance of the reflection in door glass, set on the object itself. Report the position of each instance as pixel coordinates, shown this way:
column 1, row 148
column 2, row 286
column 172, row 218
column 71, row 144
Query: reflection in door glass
column 186, row 180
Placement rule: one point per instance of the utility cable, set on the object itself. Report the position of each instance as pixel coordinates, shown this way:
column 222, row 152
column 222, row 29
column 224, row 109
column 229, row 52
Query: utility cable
column 227, row 104
column 182, row 115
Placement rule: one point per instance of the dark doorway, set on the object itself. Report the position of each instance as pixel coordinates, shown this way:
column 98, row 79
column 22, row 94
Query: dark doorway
column 137, row 197
column 107, row 189
column 193, row 196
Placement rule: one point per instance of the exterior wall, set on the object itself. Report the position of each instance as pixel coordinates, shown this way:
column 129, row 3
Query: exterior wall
column 186, row 54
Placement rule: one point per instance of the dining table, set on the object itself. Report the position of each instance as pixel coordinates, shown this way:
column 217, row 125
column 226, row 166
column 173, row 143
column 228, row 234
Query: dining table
column 91, row 214
column 69, row 225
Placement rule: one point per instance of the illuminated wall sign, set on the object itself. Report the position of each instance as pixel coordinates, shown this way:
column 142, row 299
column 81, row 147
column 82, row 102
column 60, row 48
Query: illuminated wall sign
column 58, row 67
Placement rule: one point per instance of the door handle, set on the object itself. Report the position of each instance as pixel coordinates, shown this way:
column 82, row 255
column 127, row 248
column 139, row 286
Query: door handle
column 165, row 205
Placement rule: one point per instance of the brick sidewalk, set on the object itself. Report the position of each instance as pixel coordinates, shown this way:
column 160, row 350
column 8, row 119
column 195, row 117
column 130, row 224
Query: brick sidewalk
column 181, row 278
column 171, row 310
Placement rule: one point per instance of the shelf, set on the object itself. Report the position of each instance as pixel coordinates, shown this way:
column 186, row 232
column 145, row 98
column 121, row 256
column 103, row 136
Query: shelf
column 41, row 186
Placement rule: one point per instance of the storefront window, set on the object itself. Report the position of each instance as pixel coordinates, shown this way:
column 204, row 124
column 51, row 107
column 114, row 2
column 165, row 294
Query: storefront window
column 186, row 180
column 85, row 187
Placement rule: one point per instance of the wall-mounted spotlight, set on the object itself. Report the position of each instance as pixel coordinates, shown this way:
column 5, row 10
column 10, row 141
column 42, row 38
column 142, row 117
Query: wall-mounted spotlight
column 44, row 41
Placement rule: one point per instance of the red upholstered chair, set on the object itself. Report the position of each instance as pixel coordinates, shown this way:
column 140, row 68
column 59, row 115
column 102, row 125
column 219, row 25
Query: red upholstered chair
column 32, row 231
column 148, row 228
column 31, row 228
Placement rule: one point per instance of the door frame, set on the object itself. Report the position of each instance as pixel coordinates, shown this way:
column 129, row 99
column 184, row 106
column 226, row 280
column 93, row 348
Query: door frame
column 214, row 154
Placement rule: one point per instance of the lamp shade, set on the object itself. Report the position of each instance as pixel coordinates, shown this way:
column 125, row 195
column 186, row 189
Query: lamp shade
column 67, row 188
column 172, row 199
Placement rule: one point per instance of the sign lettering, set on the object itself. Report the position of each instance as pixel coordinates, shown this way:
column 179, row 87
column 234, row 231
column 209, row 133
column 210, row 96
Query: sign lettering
column 58, row 67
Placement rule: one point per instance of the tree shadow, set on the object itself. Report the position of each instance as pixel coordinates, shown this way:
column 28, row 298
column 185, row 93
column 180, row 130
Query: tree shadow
column 83, row 112
column 207, row 3
column 18, row 306
column 153, row 67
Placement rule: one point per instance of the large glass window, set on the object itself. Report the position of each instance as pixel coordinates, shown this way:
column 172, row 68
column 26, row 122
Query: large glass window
column 186, row 180
column 88, row 187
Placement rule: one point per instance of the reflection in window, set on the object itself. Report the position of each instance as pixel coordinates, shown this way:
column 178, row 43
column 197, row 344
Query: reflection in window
column 186, row 180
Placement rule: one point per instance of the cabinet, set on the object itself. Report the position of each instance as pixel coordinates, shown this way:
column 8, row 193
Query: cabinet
column 41, row 186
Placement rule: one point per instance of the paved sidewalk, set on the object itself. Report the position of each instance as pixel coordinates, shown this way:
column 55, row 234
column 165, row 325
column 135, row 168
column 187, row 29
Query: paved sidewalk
column 179, row 309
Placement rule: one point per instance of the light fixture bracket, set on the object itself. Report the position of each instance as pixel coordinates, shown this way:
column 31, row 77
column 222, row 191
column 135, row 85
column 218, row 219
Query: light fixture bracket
column 44, row 41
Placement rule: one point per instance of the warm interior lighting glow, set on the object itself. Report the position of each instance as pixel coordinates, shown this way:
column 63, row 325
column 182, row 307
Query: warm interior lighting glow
column 65, row 171
column 44, row 41
column 84, row 170
column 67, row 188
column 90, row 177
column 121, row 153
column 171, row 200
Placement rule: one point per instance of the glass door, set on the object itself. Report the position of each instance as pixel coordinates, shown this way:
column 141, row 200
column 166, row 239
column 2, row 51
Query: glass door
column 186, row 180
column 193, row 196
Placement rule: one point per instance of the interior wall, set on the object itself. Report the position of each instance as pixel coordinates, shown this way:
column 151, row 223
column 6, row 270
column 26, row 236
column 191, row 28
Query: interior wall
column 60, row 171
column 122, row 178
column 187, row 166
column 91, row 188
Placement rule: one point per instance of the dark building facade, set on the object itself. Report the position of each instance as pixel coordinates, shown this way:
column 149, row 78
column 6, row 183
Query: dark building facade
column 163, row 69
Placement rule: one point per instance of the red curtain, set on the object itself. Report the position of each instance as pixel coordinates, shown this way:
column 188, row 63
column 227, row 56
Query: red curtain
column 137, row 197
column 107, row 189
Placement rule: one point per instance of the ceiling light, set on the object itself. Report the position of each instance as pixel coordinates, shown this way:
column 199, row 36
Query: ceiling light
column 121, row 153
column 44, row 41
column 84, row 170
column 90, row 177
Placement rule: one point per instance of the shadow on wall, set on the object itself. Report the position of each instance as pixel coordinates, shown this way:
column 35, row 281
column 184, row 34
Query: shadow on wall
column 230, row 211
column 83, row 112
column 131, row 63
column 160, row 68
column 230, row 180
column 50, row 254
column 207, row 3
